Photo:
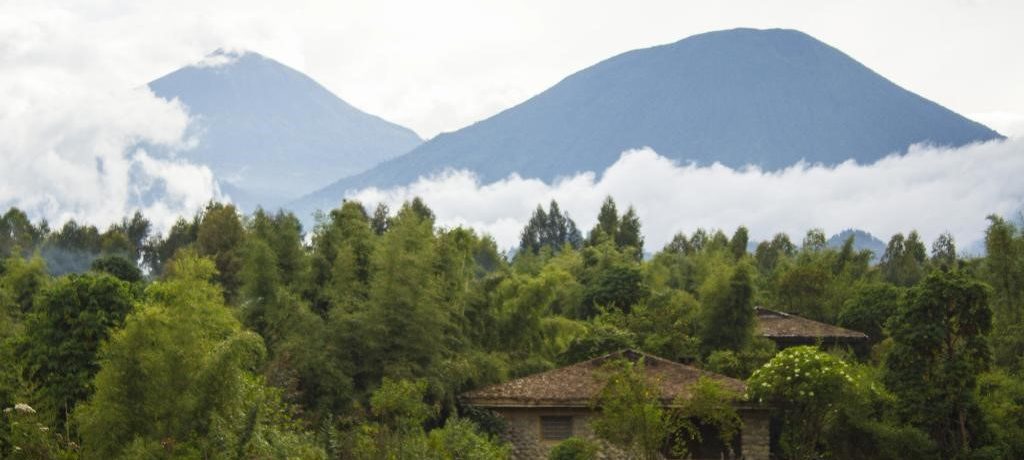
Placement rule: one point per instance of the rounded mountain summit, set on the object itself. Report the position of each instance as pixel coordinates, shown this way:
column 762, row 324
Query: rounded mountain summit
column 739, row 97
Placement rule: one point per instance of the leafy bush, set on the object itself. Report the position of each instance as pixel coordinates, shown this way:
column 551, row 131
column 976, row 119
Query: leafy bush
column 574, row 449
column 805, row 386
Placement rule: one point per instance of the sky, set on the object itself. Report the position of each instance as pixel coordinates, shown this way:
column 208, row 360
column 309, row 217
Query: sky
column 74, row 102
column 438, row 66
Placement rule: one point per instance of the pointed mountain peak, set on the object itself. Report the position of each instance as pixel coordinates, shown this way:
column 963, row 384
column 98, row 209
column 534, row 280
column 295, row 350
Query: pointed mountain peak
column 273, row 133
column 225, row 56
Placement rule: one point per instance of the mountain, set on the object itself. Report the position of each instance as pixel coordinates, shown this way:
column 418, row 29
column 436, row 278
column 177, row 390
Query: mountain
column 270, row 133
column 861, row 240
column 762, row 97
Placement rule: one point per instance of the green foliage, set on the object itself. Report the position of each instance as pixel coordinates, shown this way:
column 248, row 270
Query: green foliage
column 398, row 405
column 118, row 267
column 22, row 280
column 73, row 316
column 396, row 429
column 599, row 339
column 1003, row 269
column 727, row 314
column 28, row 437
column 902, row 263
column 18, row 236
column 664, row 325
column 738, row 243
column 740, row 364
column 865, row 425
column 574, row 449
column 1001, row 398
column 869, row 309
column 553, row 230
column 343, row 249
column 366, row 335
column 939, row 348
column 219, row 236
column 632, row 417
column 179, row 375
column 623, row 232
column 460, row 439
column 709, row 405
column 157, row 252
column 769, row 253
column 611, row 279
column 804, row 386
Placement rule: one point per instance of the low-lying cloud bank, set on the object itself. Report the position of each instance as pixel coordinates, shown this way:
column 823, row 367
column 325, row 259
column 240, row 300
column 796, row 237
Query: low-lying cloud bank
column 928, row 189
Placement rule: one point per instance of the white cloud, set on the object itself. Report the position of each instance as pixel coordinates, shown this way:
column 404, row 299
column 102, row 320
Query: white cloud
column 931, row 190
column 68, row 131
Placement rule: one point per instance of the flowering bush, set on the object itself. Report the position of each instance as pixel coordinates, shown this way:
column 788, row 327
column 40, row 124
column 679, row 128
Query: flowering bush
column 804, row 385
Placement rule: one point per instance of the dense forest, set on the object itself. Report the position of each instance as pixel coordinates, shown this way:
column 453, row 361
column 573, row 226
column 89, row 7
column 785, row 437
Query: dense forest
column 236, row 336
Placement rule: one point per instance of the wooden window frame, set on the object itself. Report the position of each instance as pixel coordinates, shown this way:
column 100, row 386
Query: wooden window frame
column 560, row 418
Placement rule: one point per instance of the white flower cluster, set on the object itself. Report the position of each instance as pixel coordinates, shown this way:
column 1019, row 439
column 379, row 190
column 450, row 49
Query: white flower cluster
column 21, row 408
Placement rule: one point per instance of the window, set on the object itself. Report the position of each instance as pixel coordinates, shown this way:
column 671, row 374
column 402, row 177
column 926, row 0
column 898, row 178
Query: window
column 555, row 428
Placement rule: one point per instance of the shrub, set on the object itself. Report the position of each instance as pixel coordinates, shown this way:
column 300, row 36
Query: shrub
column 574, row 449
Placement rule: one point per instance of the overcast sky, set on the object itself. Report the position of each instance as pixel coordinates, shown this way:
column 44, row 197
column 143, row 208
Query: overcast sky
column 73, row 101
column 439, row 65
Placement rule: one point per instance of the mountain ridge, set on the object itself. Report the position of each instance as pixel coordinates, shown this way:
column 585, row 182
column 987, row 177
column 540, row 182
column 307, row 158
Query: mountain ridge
column 272, row 133
column 743, row 96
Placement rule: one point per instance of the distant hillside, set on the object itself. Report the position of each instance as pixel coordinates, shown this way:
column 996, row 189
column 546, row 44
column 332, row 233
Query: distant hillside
column 861, row 240
column 270, row 133
column 762, row 97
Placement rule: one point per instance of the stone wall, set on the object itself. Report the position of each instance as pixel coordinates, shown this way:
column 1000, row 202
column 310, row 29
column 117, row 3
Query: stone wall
column 523, row 432
column 756, row 437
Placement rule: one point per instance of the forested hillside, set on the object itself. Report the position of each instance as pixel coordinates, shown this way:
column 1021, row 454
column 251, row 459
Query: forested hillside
column 236, row 336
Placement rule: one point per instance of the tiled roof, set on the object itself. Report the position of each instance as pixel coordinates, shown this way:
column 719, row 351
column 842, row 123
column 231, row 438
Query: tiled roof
column 579, row 384
column 782, row 326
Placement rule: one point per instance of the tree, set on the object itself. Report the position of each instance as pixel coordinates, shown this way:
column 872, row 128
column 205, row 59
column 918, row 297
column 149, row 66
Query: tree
column 939, row 349
column 803, row 286
column 944, row 251
column 612, row 278
column 219, row 236
column 178, row 380
column 119, row 267
column 395, row 429
column 870, row 308
column 1003, row 269
column 711, row 405
column 632, row 417
column 902, row 262
column 607, row 223
column 814, row 240
column 553, row 229
column 738, row 243
column 1001, row 398
column 804, row 386
column 72, row 248
column 727, row 310
column 768, row 254
column 628, row 236
column 23, row 280
column 405, row 318
column 17, row 234
column 63, row 335
column 343, row 248
column 380, row 220
column 282, row 232
column 158, row 251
